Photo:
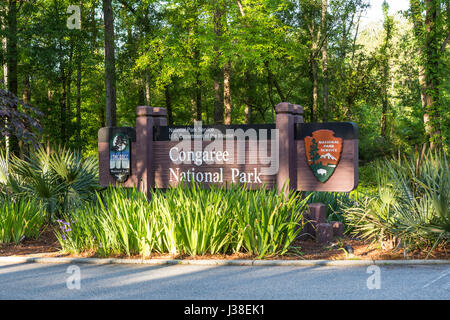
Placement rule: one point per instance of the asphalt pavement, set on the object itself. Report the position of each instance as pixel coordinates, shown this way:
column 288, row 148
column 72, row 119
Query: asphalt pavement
column 178, row 282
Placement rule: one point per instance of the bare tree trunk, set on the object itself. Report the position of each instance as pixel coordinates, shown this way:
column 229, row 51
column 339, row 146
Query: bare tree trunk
column 147, row 88
column 227, row 92
column 62, row 104
column 11, row 62
column 428, row 80
column 168, row 105
column 110, row 68
column 218, row 72
column 4, row 47
column 315, row 94
column 277, row 86
column 248, row 108
column 26, row 98
column 198, row 97
column 248, row 114
column 11, row 46
column 218, row 101
column 384, row 108
column 69, row 92
column 78, row 106
column 325, row 61
column 269, row 86
column 26, row 91
column 432, row 50
column 193, row 109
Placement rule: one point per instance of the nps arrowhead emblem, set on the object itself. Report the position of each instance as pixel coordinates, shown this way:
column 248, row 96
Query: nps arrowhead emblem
column 323, row 151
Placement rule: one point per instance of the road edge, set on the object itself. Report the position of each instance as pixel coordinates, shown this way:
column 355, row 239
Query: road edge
column 299, row 263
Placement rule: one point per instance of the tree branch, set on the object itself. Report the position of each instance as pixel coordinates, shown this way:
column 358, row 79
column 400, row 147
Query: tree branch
column 444, row 44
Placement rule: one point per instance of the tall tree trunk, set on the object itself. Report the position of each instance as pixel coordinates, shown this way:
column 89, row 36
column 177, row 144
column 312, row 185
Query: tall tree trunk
column 11, row 62
column 227, row 92
column 248, row 76
column 4, row 47
column 198, row 98
column 69, row 92
column 78, row 103
column 385, row 54
column 325, row 61
column 168, row 105
column 251, row 92
column 315, row 91
column 11, row 46
column 428, row 78
column 269, row 87
column 62, row 105
column 26, row 98
column 26, row 92
column 218, row 99
column 198, row 109
column 432, row 50
column 147, row 88
column 110, row 65
column 248, row 114
column 93, row 27
column 49, row 110
column 218, row 72
column 384, row 108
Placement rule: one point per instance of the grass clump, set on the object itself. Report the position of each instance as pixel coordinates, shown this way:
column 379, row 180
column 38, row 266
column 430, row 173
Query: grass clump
column 185, row 220
column 20, row 218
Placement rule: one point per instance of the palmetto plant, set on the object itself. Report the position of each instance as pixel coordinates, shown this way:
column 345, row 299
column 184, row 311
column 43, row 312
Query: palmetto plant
column 411, row 205
column 59, row 180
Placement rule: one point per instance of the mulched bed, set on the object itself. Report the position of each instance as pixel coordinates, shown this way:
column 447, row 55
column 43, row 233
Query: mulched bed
column 48, row 246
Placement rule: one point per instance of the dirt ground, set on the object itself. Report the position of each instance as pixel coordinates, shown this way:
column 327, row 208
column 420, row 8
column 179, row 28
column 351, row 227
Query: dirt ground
column 48, row 246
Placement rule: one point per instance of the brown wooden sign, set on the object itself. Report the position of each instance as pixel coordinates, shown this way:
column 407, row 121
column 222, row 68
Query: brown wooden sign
column 289, row 153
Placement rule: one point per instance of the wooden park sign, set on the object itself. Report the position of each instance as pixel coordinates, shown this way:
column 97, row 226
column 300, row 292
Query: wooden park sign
column 301, row 156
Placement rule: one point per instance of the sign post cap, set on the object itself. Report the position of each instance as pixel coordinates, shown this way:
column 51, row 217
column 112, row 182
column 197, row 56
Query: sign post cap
column 147, row 111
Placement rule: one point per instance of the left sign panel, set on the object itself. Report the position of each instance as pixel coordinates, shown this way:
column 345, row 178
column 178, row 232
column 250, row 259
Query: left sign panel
column 120, row 156
column 117, row 149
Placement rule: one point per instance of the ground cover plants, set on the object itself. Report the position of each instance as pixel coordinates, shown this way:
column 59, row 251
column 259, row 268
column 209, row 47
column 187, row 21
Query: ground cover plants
column 59, row 179
column 411, row 205
column 187, row 220
column 20, row 218
column 407, row 206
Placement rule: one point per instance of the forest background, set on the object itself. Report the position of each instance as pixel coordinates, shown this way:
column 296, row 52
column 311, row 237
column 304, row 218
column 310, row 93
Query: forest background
column 222, row 62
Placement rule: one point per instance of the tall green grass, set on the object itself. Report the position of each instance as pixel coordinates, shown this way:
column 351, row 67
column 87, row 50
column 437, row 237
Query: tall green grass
column 20, row 218
column 185, row 220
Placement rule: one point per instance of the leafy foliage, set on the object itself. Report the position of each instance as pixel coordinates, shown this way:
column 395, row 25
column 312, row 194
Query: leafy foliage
column 185, row 220
column 20, row 218
column 60, row 180
column 411, row 204
column 17, row 118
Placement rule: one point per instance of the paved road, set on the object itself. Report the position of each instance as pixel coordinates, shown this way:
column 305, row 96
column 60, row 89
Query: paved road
column 51, row 281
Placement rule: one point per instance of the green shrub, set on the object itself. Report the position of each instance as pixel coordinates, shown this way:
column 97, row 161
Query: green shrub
column 60, row 181
column 411, row 203
column 20, row 218
column 185, row 220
